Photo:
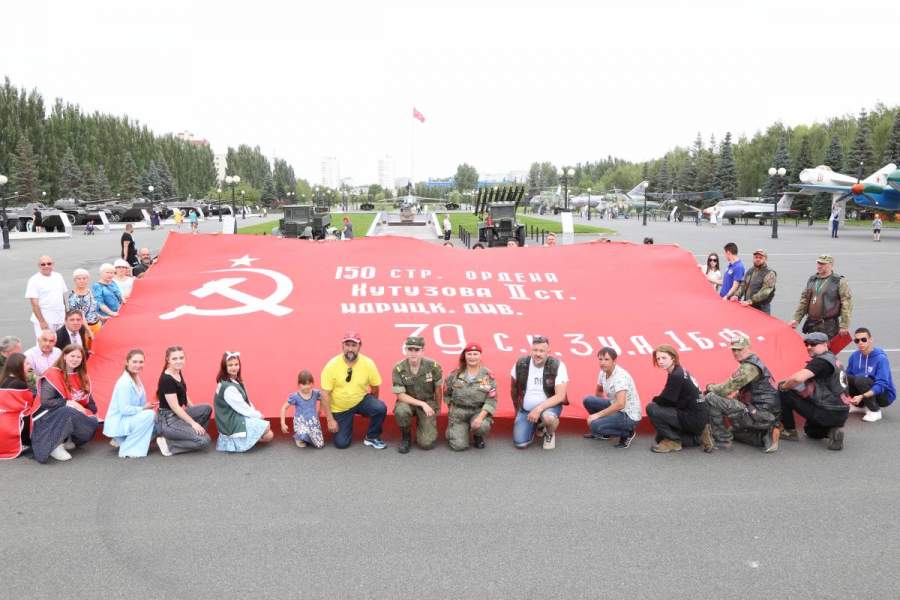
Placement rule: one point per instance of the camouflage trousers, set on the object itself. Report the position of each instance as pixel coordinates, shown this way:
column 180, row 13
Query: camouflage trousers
column 426, row 427
column 745, row 427
column 459, row 424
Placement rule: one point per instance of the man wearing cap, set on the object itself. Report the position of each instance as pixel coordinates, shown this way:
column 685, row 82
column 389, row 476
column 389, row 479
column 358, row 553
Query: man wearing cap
column 417, row 382
column 749, row 400
column 816, row 392
column 350, row 384
column 758, row 287
column 538, row 388
column 825, row 301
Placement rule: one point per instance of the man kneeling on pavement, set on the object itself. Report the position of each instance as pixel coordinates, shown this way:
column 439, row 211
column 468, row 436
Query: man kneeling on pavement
column 817, row 392
column 749, row 400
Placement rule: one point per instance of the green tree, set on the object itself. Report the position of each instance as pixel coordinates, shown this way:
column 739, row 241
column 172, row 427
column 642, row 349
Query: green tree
column 706, row 167
column 892, row 149
column 802, row 161
column 168, row 186
column 89, row 189
column 834, row 156
column 70, row 176
column 775, row 184
column 24, row 172
column 466, row 177
column 861, row 155
column 726, row 173
column 267, row 197
column 104, row 191
column 151, row 178
column 131, row 179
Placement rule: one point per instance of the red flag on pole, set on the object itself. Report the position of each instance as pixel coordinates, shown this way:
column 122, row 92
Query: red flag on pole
column 418, row 115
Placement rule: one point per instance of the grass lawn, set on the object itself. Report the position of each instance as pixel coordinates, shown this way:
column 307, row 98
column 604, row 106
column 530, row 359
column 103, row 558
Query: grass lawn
column 470, row 223
column 361, row 223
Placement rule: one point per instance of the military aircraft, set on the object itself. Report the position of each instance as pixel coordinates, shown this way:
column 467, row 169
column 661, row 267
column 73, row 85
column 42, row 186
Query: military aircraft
column 879, row 191
column 732, row 210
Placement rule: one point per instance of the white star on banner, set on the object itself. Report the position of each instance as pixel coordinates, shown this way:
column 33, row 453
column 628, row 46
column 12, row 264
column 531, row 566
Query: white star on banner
column 244, row 261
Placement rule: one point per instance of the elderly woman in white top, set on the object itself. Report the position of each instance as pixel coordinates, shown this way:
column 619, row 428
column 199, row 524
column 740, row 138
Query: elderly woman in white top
column 130, row 417
column 123, row 277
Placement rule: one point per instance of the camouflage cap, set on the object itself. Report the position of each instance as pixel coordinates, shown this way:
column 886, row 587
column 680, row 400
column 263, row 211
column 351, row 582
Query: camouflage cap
column 415, row 341
column 740, row 342
column 825, row 259
column 761, row 252
column 816, row 337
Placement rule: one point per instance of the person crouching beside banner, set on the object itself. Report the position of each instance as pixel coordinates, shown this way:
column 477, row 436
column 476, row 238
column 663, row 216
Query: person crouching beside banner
column 538, row 384
column 471, row 395
column 67, row 416
column 180, row 423
column 240, row 425
column 417, row 381
column 350, row 383
column 16, row 404
column 678, row 413
column 306, row 402
column 749, row 400
column 616, row 409
column 130, row 418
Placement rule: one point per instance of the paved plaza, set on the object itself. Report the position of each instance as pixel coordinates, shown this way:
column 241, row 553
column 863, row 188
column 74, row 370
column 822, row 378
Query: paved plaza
column 583, row 521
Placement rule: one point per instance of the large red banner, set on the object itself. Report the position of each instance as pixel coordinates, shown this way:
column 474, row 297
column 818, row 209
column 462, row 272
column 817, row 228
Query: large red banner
column 285, row 304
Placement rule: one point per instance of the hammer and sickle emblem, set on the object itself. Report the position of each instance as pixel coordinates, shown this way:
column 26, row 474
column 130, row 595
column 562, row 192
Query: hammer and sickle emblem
column 247, row 303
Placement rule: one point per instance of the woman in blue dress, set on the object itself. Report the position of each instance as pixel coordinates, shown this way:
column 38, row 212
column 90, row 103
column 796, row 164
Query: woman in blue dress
column 130, row 417
column 240, row 425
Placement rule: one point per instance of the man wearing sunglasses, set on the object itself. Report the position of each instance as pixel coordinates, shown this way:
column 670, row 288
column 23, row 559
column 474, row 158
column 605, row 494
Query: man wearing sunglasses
column 816, row 392
column 825, row 301
column 869, row 380
column 350, row 384
column 45, row 291
column 417, row 382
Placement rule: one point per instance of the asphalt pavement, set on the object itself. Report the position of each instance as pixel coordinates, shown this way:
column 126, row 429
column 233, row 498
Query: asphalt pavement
column 583, row 521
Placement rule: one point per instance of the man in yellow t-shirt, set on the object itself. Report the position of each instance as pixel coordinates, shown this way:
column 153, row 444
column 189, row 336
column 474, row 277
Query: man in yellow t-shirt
column 350, row 384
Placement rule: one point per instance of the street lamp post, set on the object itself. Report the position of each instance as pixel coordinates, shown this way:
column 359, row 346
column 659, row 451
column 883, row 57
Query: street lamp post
column 243, row 206
column 645, row 210
column 219, row 196
column 780, row 172
column 150, row 189
column 565, row 174
column 5, row 225
column 589, row 203
column 233, row 181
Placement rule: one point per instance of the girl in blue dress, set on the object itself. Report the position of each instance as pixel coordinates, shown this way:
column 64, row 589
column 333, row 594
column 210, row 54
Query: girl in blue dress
column 307, row 426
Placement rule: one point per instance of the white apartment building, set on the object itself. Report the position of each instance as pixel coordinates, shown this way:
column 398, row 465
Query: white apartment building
column 331, row 172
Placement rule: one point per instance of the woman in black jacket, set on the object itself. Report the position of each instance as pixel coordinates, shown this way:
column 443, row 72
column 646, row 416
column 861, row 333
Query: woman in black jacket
column 678, row 413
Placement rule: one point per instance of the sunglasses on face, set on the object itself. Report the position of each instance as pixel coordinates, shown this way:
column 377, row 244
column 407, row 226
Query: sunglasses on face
column 715, row 260
column 349, row 374
column 49, row 264
column 860, row 340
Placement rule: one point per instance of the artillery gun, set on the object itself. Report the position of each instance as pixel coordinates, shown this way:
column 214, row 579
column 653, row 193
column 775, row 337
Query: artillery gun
column 497, row 210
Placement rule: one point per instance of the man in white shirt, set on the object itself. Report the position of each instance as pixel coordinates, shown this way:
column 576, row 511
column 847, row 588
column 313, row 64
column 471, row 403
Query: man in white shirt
column 45, row 354
column 616, row 409
column 46, row 291
column 538, row 392
column 448, row 228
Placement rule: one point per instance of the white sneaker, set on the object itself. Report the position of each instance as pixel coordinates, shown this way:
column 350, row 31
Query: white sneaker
column 114, row 442
column 872, row 415
column 855, row 409
column 60, row 454
column 549, row 441
column 69, row 445
column 163, row 446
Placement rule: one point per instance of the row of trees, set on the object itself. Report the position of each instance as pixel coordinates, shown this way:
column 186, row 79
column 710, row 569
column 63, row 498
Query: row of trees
column 67, row 152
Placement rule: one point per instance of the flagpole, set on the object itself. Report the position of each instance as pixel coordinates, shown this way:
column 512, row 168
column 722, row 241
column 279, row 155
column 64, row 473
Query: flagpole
column 412, row 152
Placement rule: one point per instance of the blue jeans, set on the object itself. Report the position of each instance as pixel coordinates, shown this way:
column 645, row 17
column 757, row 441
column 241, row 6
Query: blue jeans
column 371, row 407
column 615, row 425
column 523, row 429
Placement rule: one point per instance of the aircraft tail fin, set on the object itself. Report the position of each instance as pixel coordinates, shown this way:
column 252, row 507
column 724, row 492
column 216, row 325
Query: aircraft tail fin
column 785, row 202
column 638, row 190
column 879, row 177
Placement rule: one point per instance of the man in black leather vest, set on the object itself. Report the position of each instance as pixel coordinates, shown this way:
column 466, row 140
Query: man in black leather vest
column 758, row 288
column 538, row 388
column 825, row 302
column 817, row 392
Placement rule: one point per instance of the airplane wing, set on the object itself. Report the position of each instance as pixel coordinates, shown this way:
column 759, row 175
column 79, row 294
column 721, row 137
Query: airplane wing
column 815, row 188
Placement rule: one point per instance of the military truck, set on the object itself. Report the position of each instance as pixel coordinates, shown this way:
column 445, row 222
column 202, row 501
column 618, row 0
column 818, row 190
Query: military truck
column 497, row 210
column 304, row 221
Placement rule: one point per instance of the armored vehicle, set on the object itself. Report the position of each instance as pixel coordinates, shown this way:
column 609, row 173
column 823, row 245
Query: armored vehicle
column 497, row 209
column 304, row 221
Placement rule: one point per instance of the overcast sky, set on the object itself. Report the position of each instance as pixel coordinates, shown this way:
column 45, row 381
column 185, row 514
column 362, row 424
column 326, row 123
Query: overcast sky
column 501, row 84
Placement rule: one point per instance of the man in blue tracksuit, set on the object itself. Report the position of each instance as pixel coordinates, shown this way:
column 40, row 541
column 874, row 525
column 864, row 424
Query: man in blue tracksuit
column 869, row 380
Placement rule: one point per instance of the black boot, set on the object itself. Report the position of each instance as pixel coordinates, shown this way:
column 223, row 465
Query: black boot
column 405, row 442
column 479, row 442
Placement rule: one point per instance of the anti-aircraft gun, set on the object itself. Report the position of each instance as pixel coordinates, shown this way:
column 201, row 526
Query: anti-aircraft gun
column 496, row 209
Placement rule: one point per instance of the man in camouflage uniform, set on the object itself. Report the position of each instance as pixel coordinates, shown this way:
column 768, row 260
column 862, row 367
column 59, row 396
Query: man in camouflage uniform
column 753, row 411
column 417, row 382
column 758, row 287
column 825, row 301
column 471, row 394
